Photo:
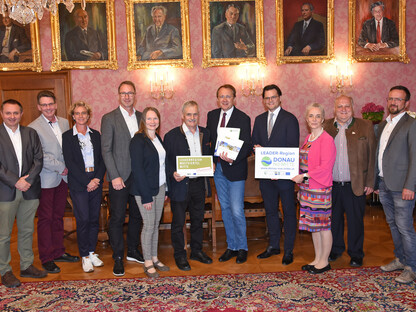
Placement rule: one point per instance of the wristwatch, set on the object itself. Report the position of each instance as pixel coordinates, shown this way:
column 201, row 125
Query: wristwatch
column 305, row 177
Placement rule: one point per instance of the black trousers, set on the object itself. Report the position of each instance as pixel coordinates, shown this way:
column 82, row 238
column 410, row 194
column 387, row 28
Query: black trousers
column 344, row 201
column 118, row 205
column 195, row 202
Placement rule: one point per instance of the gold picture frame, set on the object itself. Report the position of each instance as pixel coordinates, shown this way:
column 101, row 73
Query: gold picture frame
column 360, row 20
column 172, row 47
column 288, row 22
column 69, row 44
column 29, row 57
column 219, row 51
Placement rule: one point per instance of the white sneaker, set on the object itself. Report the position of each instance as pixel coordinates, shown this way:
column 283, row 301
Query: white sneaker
column 87, row 265
column 393, row 266
column 407, row 276
column 96, row 261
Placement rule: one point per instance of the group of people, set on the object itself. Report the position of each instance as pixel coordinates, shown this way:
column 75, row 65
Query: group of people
column 341, row 161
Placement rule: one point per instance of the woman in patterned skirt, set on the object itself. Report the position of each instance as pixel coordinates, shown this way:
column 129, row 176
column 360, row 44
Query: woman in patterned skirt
column 317, row 158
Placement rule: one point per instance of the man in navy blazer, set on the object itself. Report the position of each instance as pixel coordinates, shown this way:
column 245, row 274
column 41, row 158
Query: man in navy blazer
column 20, row 165
column 230, row 175
column 189, row 139
column 277, row 128
column 16, row 43
column 307, row 37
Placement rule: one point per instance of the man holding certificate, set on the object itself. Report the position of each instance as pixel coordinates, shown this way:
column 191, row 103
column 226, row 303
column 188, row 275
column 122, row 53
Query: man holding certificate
column 277, row 128
column 187, row 192
column 229, row 127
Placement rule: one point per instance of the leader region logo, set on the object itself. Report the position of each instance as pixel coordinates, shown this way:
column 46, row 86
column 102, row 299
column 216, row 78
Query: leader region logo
column 266, row 161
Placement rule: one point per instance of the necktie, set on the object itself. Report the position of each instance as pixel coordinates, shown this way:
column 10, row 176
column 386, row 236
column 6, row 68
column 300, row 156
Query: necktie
column 305, row 25
column 270, row 128
column 85, row 34
column 378, row 32
column 223, row 120
column 50, row 122
column 157, row 31
column 6, row 37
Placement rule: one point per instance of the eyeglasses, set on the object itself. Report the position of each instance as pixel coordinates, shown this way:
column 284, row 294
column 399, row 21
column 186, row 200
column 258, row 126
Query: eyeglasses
column 271, row 98
column 46, row 105
column 127, row 93
column 395, row 100
column 228, row 97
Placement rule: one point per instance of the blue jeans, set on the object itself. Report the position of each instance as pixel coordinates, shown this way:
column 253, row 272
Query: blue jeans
column 399, row 216
column 231, row 197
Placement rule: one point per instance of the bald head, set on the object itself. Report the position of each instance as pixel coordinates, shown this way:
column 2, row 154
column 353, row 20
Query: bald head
column 343, row 109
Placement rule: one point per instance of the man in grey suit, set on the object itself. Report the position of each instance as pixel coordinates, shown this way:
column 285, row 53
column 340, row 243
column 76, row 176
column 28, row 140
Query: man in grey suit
column 20, row 165
column 396, row 181
column 53, row 177
column 117, row 129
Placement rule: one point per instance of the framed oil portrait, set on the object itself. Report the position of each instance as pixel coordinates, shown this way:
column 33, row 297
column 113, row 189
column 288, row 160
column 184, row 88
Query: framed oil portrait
column 84, row 39
column 305, row 31
column 233, row 32
column 20, row 45
column 377, row 31
column 158, row 33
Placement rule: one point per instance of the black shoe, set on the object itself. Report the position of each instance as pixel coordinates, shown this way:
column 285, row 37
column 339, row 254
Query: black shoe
column 66, row 257
column 287, row 258
column 241, row 256
column 356, row 262
column 314, row 270
column 333, row 256
column 135, row 256
column 182, row 264
column 51, row 267
column 227, row 255
column 201, row 257
column 270, row 251
column 118, row 268
column 307, row 267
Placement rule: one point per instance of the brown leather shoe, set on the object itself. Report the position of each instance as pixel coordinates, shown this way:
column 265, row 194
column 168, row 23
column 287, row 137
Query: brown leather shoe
column 33, row 272
column 9, row 280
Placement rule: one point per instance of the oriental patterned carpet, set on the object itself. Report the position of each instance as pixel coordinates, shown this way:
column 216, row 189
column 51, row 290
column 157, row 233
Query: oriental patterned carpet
column 365, row 289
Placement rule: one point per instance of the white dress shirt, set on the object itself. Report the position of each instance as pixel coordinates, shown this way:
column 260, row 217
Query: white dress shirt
column 131, row 121
column 16, row 139
column 55, row 128
column 193, row 140
column 87, row 148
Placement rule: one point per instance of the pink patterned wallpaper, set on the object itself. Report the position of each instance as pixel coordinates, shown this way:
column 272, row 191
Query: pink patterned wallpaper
column 301, row 84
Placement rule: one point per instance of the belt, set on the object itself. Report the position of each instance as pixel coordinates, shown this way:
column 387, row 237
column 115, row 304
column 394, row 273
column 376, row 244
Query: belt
column 89, row 169
column 341, row 183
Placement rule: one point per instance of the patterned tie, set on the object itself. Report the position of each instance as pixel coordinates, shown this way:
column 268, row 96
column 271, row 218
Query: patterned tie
column 270, row 128
column 223, row 120
column 378, row 32
column 6, row 37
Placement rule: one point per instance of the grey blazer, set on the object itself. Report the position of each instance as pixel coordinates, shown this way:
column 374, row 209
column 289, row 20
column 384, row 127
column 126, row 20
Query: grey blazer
column 399, row 158
column 9, row 166
column 53, row 159
column 115, row 144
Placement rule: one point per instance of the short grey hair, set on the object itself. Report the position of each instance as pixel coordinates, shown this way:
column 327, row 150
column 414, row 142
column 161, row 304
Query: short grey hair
column 376, row 4
column 189, row 103
column 310, row 5
column 315, row 105
column 159, row 7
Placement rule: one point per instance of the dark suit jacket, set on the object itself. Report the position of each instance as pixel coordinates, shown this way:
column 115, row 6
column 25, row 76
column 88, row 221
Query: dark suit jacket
column 168, row 41
column 388, row 34
column 285, row 133
column 361, row 150
column 18, row 39
column 314, row 36
column 237, row 171
column 222, row 42
column 75, row 42
column 399, row 158
column 115, row 144
column 177, row 145
column 77, row 177
column 32, row 160
column 144, row 167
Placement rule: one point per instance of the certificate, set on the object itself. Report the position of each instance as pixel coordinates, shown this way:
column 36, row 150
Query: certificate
column 194, row 166
column 276, row 162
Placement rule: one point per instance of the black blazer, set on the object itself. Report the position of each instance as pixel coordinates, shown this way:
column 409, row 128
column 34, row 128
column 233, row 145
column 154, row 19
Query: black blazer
column 144, row 167
column 314, row 36
column 77, row 177
column 177, row 145
column 238, row 170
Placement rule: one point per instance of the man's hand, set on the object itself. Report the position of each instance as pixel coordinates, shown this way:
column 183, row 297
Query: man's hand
column 368, row 190
column 178, row 177
column 148, row 206
column 118, row 183
column 255, row 146
column 408, row 194
column 155, row 54
column 12, row 55
column 306, row 50
column 288, row 51
column 65, row 172
column 240, row 45
column 22, row 184
column 372, row 47
column 93, row 185
column 224, row 156
column 96, row 56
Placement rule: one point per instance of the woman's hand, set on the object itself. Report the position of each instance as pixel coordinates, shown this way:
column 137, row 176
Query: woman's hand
column 298, row 178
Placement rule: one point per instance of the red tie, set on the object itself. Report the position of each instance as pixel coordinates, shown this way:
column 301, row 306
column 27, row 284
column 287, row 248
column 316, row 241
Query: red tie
column 223, row 120
column 378, row 32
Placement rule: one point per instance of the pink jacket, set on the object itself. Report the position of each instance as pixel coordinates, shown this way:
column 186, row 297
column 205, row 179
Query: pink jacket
column 321, row 159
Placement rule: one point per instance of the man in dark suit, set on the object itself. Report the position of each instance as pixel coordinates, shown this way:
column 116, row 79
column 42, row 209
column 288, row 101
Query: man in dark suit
column 20, row 165
column 13, row 40
column 189, row 139
column 162, row 40
column 396, row 181
column 277, row 128
column 307, row 37
column 353, row 176
column 378, row 32
column 117, row 129
column 231, row 39
column 84, row 43
column 230, row 175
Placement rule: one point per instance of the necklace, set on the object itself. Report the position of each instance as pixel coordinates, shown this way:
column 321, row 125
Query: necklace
column 313, row 139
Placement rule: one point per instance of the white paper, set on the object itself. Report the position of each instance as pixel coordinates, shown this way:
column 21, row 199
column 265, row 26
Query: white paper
column 225, row 133
column 276, row 162
column 230, row 147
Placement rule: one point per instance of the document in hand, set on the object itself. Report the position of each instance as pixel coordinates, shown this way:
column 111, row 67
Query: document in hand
column 224, row 135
